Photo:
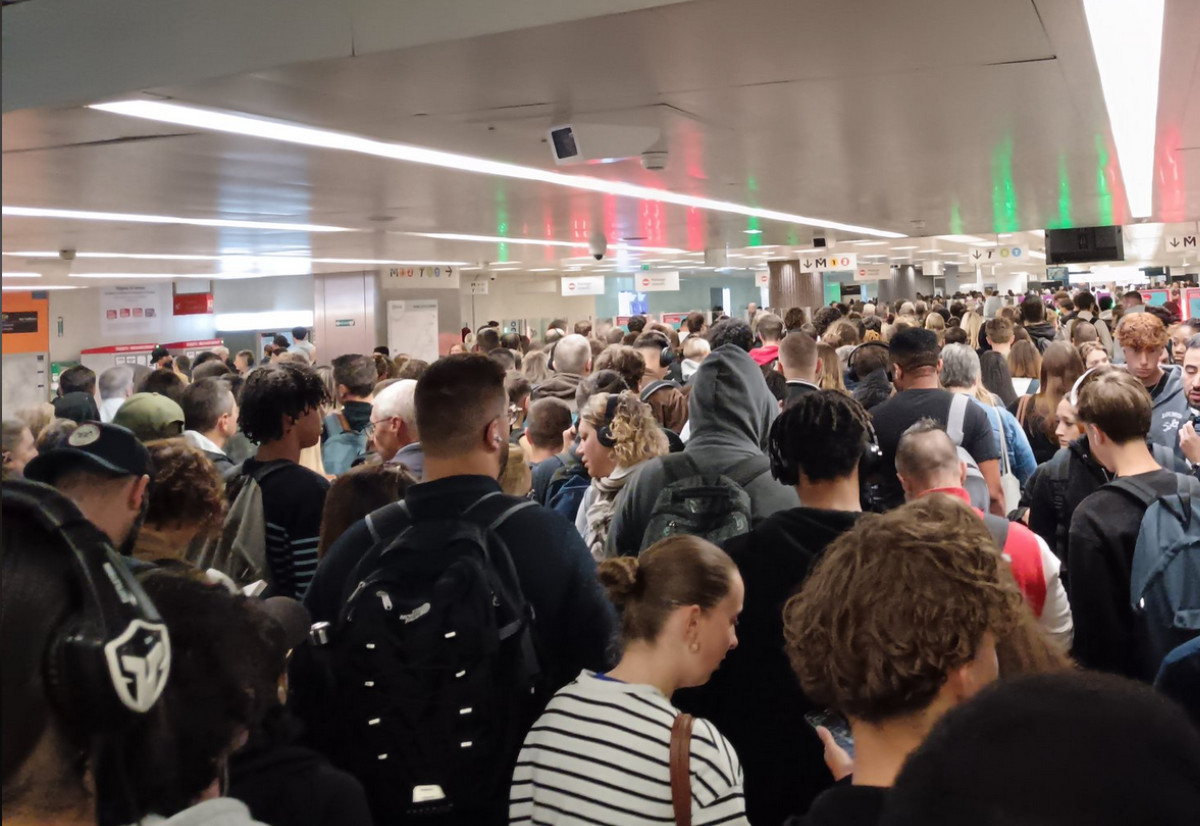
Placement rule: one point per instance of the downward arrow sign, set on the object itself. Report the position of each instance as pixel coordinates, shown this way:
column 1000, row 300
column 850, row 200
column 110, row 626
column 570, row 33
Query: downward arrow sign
column 1174, row 242
column 807, row 264
column 976, row 255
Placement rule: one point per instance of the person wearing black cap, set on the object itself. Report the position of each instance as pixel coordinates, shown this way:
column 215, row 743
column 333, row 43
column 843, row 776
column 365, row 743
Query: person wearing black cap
column 77, row 395
column 105, row 471
column 161, row 357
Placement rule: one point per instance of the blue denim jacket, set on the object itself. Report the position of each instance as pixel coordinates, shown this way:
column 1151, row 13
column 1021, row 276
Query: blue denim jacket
column 1020, row 454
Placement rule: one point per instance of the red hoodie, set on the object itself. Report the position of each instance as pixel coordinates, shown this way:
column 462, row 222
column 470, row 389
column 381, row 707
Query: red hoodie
column 765, row 355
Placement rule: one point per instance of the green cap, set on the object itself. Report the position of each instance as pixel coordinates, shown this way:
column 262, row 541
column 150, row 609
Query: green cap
column 150, row 416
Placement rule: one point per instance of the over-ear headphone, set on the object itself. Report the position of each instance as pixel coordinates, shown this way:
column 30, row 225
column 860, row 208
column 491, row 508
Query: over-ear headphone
column 666, row 357
column 604, row 434
column 787, row 471
column 109, row 662
column 852, row 373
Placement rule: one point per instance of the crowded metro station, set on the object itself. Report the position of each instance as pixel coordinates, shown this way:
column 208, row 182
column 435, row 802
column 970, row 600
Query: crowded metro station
column 625, row 412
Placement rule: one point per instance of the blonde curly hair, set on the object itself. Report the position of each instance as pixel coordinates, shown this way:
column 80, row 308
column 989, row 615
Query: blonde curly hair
column 636, row 432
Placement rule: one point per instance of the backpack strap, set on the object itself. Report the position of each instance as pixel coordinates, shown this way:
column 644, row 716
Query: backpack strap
column 998, row 527
column 678, row 466
column 749, row 469
column 654, row 387
column 262, row 471
column 958, row 415
column 1138, row 490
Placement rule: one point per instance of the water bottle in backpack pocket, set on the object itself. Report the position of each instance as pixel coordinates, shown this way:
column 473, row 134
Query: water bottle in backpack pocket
column 434, row 673
column 1164, row 587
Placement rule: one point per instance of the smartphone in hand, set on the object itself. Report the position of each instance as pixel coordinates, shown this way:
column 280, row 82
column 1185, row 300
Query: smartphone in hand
column 837, row 725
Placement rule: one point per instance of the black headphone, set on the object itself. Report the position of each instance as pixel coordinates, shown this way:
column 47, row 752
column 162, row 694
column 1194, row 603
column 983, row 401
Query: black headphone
column 604, row 434
column 852, row 373
column 666, row 356
column 785, row 470
column 109, row 663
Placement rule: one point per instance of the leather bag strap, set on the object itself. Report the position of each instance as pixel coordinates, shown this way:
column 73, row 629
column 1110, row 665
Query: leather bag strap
column 681, row 769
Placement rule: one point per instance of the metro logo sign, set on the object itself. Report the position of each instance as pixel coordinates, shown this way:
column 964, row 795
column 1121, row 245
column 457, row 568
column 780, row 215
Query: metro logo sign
column 1009, row 253
column 825, row 263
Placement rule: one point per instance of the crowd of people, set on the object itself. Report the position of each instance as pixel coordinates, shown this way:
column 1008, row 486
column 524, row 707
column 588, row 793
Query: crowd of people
column 922, row 562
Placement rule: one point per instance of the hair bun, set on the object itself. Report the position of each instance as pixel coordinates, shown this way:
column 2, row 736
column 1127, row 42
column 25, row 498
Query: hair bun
column 619, row 576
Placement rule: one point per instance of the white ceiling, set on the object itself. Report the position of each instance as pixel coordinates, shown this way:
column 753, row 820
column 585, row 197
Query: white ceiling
column 927, row 117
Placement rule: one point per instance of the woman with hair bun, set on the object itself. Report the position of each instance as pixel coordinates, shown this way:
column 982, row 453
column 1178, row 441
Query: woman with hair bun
column 600, row 752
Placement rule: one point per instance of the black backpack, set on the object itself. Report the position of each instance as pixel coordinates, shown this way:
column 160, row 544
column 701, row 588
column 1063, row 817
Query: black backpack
column 431, row 674
column 713, row 506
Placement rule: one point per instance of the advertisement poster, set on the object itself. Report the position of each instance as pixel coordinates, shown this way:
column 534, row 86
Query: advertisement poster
column 134, row 310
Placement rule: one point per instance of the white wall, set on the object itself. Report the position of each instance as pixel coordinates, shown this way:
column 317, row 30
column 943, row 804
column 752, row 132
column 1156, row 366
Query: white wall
column 528, row 298
column 80, row 314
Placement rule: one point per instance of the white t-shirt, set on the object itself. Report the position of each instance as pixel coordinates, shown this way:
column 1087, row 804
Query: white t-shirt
column 600, row 753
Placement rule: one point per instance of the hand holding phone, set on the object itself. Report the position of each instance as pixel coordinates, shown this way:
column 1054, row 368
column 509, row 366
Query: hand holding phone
column 835, row 734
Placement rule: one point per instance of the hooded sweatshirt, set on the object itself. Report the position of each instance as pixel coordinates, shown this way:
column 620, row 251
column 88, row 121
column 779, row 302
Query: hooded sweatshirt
column 765, row 355
column 730, row 411
column 1042, row 333
column 782, row 757
column 559, row 386
column 1171, row 409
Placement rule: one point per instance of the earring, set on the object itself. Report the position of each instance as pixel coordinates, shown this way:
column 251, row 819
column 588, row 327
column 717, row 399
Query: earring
column 694, row 647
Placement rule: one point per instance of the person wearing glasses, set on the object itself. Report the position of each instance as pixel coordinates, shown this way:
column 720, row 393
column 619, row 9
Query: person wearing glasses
column 393, row 427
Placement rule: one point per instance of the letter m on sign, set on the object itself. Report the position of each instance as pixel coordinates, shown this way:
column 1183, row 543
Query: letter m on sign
column 1189, row 240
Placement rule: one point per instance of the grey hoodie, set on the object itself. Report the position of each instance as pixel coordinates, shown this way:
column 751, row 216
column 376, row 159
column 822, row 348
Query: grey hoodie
column 221, row 811
column 1171, row 410
column 730, row 411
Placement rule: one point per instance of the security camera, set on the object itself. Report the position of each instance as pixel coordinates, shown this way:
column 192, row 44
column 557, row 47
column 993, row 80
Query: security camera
column 654, row 160
column 492, row 276
column 598, row 245
column 66, row 254
column 820, row 241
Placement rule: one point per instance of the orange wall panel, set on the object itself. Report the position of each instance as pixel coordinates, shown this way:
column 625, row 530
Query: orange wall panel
column 36, row 342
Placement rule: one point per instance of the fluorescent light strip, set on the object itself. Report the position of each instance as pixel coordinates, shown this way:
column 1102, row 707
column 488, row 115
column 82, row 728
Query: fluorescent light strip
column 22, row 275
column 138, row 218
column 1127, row 40
column 239, row 124
column 271, row 320
column 537, row 242
column 25, row 288
column 1037, row 254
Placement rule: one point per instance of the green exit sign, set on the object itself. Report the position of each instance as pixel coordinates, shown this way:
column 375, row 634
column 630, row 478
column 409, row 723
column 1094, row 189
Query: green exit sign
column 344, row 322
column 645, row 267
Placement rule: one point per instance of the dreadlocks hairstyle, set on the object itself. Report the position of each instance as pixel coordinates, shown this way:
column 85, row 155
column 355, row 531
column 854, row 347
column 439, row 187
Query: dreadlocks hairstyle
column 275, row 391
column 823, row 435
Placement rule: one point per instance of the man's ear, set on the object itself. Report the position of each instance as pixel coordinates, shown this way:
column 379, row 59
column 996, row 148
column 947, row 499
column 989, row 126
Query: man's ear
column 962, row 474
column 137, row 492
column 342, row 390
column 820, row 366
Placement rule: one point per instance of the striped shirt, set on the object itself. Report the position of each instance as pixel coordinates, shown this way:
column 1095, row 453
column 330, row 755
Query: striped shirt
column 293, row 498
column 600, row 754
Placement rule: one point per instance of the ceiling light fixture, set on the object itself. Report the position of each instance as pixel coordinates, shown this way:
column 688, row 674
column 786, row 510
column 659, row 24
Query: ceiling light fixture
column 536, row 242
column 31, row 288
column 272, row 258
column 22, row 275
column 1037, row 254
column 138, row 218
column 913, row 247
column 1127, row 40
column 752, row 231
column 240, row 124
column 974, row 240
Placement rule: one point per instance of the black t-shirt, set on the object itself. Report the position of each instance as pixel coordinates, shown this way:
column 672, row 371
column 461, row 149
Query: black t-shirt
column 293, row 498
column 1101, row 543
column 902, row 411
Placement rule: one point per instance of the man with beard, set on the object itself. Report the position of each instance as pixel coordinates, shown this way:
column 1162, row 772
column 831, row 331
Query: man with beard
column 1189, row 441
column 105, row 471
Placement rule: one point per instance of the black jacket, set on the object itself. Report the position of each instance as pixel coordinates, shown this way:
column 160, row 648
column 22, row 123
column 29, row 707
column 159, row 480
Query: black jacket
column 753, row 699
column 846, row 805
column 289, row 785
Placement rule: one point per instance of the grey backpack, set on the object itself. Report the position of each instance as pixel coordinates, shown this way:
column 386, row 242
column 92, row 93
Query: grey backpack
column 713, row 506
column 975, row 484
column 240, row 550
column 1164, row 586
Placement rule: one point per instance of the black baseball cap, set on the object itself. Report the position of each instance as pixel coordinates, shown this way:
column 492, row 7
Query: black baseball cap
column 108, row 448
column 159, row 353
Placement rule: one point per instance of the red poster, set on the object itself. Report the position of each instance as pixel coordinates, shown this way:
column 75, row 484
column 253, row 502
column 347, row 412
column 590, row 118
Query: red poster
column 193, row 304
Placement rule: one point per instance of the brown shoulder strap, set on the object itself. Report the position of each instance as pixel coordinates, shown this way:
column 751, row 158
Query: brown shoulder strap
column 1023, row 409
column 681, row 769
